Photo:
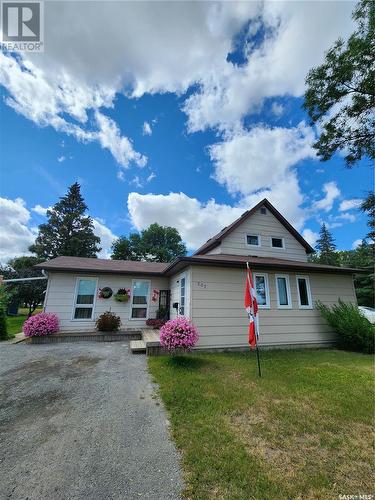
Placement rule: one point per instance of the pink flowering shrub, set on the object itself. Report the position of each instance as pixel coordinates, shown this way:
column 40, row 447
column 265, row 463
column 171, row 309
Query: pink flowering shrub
column 41, row 324
column 178, row 333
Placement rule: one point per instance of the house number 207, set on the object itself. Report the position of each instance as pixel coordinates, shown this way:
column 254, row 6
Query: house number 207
column 201, row 284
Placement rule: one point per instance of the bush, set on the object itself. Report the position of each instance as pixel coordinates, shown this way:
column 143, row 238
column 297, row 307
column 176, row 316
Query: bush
column 156, row 323
column 3, row 319
column 355, row 332
column 178, row 333
column 108, row 322
column 41, row 324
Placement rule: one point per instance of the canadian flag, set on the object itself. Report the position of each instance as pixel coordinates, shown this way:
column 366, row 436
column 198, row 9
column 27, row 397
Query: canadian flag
column 251, row 306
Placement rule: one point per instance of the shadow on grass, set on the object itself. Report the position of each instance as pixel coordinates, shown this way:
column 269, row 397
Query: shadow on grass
column 187, row 362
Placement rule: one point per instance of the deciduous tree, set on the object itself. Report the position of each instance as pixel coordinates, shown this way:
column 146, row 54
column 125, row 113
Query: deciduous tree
column 155, row 244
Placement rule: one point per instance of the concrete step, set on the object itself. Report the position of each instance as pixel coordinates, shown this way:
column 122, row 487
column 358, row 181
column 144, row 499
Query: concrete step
column 137, row 346
column 151, row 338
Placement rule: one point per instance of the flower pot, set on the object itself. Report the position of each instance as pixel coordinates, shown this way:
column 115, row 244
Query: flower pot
column 121, row 297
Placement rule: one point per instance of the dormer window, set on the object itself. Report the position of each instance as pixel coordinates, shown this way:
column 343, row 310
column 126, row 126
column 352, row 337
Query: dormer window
column 277, row 243
column 253, row 240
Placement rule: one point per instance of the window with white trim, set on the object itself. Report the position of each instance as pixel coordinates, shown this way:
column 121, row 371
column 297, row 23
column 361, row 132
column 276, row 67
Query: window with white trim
column 304, row 292
column 182, row 295
column 140, row 299
column 253, row 240
column 277, row 242
column 284, row 300
column 262, row 290
column 85, row 298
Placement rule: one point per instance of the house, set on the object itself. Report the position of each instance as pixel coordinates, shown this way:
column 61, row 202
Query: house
column 208, row 286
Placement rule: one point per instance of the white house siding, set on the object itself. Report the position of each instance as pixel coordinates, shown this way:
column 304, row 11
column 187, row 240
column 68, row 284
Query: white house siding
column 61, row 294
column 218, row 312
column 265, row 225
column 174, row 285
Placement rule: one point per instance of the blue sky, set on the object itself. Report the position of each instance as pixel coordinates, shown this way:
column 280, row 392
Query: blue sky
column 188, row 126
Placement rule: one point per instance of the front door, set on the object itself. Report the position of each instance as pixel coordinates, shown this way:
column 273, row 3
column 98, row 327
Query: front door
column 164, row 304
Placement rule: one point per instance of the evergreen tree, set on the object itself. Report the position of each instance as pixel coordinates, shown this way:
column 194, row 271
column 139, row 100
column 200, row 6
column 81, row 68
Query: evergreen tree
column 68, row 230
column 361, row 258
column 368, row 206
column 326, row 248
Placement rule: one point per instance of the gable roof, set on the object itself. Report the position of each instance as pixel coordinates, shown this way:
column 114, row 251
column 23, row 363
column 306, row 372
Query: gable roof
column 85, row 264
column 217, row 239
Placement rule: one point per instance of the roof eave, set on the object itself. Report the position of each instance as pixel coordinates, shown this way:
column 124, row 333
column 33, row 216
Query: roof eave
column 183, row 262
column 102, row 271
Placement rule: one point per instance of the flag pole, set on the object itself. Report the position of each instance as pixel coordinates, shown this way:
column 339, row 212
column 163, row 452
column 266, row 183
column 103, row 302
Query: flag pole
column 256, row 324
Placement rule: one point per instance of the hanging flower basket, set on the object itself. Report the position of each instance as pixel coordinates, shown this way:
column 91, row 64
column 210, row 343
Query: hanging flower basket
column 122, row 295
column 105, row 293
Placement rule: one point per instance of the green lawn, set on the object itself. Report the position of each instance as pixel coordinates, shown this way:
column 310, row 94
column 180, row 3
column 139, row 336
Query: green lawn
column 15, row 323
column 305, row 430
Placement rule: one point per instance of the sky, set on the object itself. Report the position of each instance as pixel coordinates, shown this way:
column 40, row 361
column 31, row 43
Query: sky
column 181, row 113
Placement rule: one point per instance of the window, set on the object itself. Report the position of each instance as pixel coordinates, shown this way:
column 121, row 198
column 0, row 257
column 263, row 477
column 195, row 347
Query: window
column 283, row 292
column 140, row 299
column 263, row 210
column 262, row 291
column 182, row 296
column 277, row 243
column 85, row 298
column 253, row 240
column 304, row 292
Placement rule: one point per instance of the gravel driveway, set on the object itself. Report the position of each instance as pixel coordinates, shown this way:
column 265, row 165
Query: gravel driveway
column 82, row 421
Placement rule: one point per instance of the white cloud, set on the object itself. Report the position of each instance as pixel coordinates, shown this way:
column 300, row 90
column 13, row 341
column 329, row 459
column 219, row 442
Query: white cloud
column 195, row 221
column 356, row 244
column 350, row 204
column 151, row 177
column 40, row 210
column 332, row 192
column 106, row 237
column 287, row 198
column 121, row 147
column 15, row 235
column 61, row 158
column 146, row 129
column 62, row 101
column 52, row 88
column 254, row 159
column 136, row 181
column 347, row 217
column 277, row 109
column 310, row 236
column 276, row 67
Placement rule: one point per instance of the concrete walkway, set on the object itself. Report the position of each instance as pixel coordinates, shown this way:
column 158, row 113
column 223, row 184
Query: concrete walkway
column 81, row 421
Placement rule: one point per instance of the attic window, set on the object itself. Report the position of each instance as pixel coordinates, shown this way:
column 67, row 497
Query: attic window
column 263, row 210
column 253, row 240
column 277, row 242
